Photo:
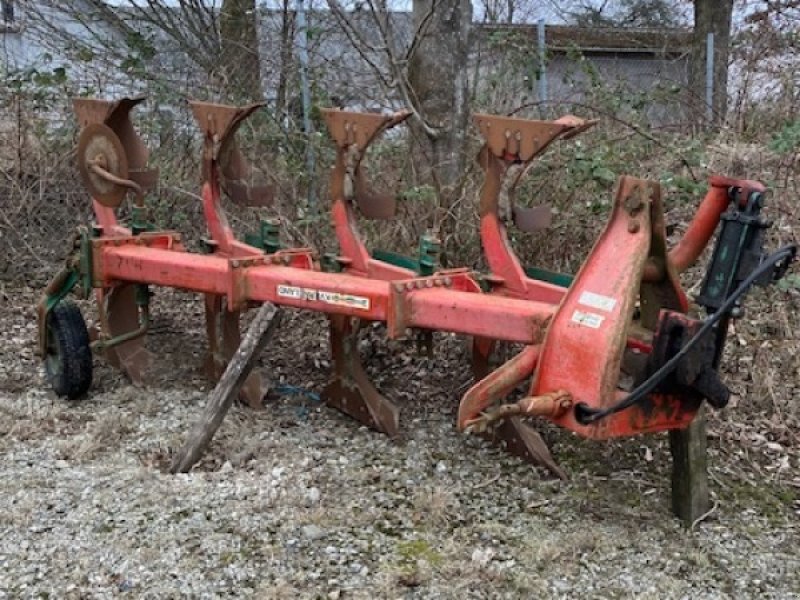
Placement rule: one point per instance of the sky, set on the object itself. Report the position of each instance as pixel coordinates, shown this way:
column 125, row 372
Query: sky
column 552, row 11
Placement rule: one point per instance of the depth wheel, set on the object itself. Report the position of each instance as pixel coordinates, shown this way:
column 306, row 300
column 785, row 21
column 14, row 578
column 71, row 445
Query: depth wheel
column 68, row 363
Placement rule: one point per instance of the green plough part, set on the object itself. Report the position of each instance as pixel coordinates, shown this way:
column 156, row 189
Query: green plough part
column 267, row 238
column 559, row 279
column 425, row 265
column 77, row 271
column 428, row 262
column 70, row 282
column 398, row 260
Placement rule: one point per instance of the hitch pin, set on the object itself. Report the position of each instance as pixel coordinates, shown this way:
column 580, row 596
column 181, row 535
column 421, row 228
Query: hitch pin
column 551, row 405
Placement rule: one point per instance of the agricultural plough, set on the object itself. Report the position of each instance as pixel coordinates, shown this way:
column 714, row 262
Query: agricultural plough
column 609, row 352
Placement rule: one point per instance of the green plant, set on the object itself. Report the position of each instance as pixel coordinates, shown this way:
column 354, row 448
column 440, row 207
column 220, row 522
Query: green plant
column 787, row 140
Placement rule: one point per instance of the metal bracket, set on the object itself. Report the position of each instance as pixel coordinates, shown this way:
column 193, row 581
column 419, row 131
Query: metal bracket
column 268, row 236
column 511, row 145
column 222, row 157
column 696, row 374
column 353, row 132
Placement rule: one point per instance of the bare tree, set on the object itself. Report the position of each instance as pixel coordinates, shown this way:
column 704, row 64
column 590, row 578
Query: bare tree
column 7, row 7
column 191, row 43
column 498, row 11
column 438, row 79
column 239, row 41
column 426, row 71
column 625, row 13
column 766, row 59
column 287, row 29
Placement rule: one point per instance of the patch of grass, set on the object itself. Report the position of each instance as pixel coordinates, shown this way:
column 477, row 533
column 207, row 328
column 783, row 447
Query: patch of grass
column 434, row 505
column 417, row 559
column 412, row 551
column 774, row 502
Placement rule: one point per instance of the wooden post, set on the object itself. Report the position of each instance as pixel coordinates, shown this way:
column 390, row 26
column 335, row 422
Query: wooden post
column 227, row 388
column 690, row 496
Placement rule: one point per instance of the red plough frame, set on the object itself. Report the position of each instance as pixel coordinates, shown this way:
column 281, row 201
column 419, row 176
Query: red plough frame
column 581, row 343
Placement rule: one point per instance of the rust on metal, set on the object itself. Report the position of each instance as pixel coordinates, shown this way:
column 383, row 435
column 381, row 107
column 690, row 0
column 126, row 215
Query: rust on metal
column 116, row 116
column 508, row 430
column 350, row 389
column 482, row 349
column 359, row 129
column 524, row 139
column 353, row 132
column 224, row 337
column 99, row 148
column 506, row 157
column 585, row 344
column 221, row 154
column 120, row 315
column 664, row 290
column 523, row 441
column 532, row 219
column 552, row 405
column 496, row 385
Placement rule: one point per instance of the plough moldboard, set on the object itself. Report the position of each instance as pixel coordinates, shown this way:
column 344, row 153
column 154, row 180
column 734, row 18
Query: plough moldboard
column 609, row 352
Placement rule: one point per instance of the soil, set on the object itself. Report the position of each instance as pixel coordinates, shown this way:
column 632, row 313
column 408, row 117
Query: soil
column 297, row 500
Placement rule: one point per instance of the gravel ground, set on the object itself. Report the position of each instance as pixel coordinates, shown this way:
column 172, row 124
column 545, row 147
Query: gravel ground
column 299, row 501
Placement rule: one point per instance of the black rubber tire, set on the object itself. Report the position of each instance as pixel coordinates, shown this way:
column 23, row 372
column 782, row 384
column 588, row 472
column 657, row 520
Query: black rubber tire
column 68, row 364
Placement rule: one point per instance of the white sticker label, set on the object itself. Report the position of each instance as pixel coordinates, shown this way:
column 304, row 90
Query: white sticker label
column 344, row 300
column 298, row 293
column 598, row 301
column 587, row 319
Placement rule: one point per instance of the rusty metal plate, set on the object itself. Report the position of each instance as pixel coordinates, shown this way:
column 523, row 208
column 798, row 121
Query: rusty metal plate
column 482, row 349
column 350, row 389
column 116, row 115
column 576, row 124
column 532, row 219
column 349, row 128
column 224, row 338
column 243, row 194
column 99, row 145
column 219, row 124
column 373, row 205
column 220, row 119
column 119, row 120
column 93, row 110
column 121, row 317
column 147, row 179
column 521, row 138
column 666, row 291
column 523, row 441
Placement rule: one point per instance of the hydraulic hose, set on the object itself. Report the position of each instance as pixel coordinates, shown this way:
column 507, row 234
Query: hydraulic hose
column 586, row 415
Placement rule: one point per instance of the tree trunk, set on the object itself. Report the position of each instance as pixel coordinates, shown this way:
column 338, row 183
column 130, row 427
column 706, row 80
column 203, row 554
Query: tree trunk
column 710, row 16
column 240, row 64
column 287, row 41
column 438, row 80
